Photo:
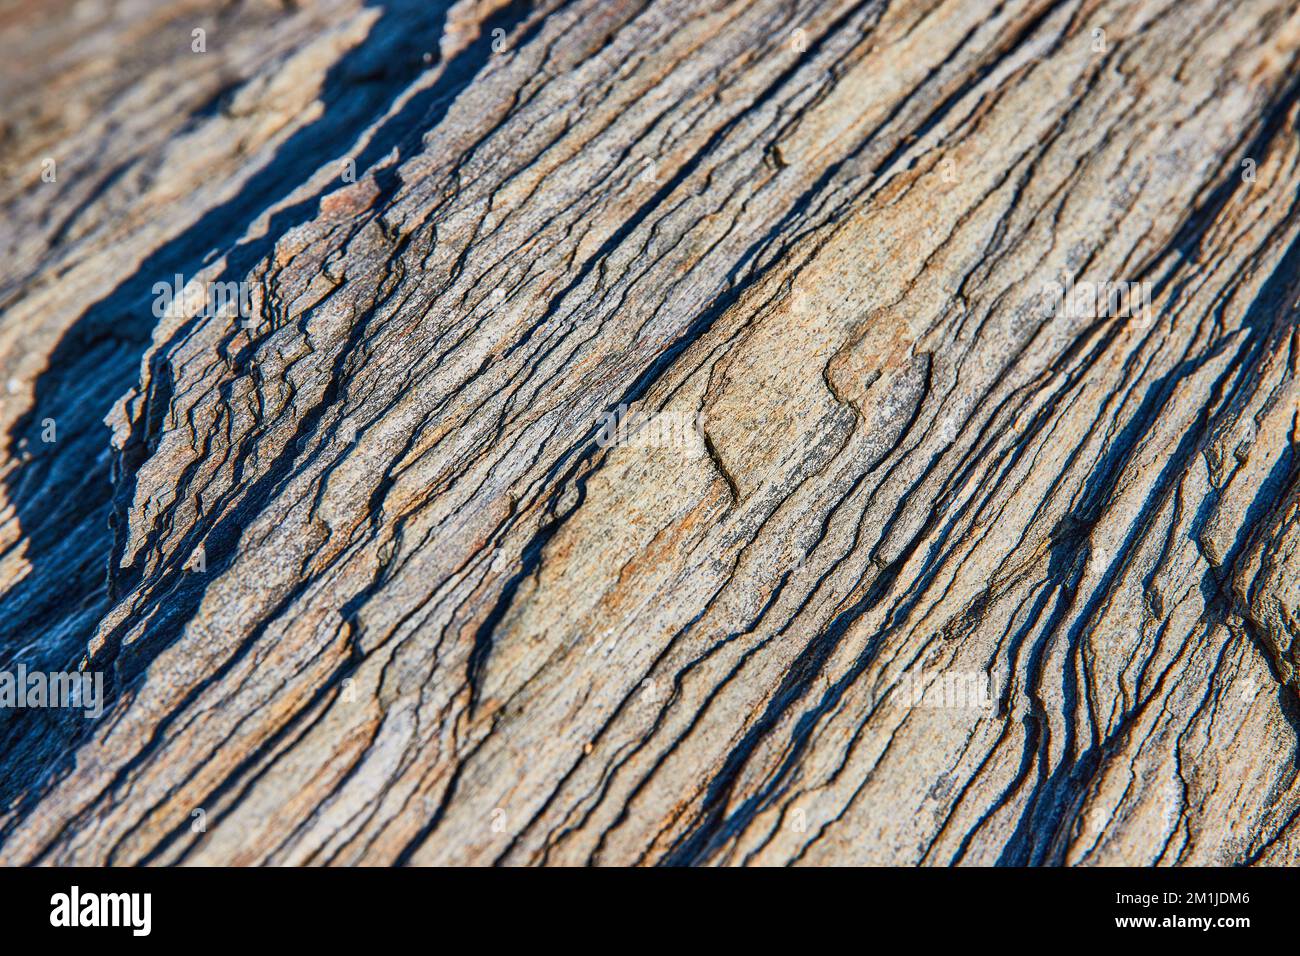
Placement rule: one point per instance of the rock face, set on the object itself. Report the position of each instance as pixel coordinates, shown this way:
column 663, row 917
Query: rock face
column 754, row 432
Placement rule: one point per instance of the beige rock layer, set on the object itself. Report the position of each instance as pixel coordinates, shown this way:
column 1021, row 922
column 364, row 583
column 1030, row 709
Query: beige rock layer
column 906, row 566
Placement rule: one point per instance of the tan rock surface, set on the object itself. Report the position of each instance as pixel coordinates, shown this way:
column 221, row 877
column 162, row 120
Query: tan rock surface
column 908, row 567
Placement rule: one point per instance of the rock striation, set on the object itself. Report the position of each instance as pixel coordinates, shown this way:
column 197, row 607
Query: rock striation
column 773, row 432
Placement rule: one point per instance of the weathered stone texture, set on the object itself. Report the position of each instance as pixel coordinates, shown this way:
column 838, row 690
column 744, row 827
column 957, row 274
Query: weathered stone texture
column 438, row 620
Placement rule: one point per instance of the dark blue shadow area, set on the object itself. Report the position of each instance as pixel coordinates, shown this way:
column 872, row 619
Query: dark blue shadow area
column 64, row 494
